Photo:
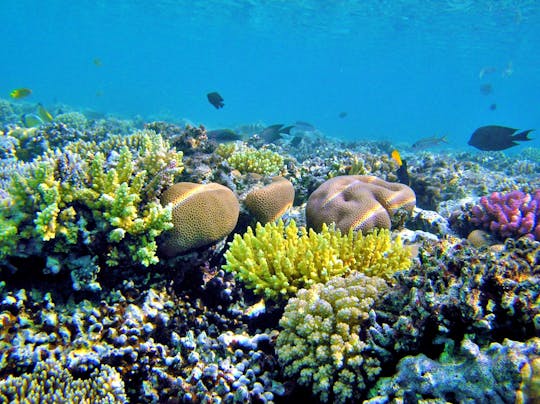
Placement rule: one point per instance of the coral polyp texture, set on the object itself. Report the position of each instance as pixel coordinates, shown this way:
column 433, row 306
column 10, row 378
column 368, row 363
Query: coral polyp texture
column 321, row 345
column 512, row 214
column 277, row 259
column 270, row 202
column 260, row 161
column 357, row 202
column 201, row 215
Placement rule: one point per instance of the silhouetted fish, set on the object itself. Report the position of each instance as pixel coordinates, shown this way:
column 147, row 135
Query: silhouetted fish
column 215, row 99
column 342, row 114
column 273, row 132
column 486, row 89
column 304, row 126
column 494, row 138
column 223, row 135
column 493, row 107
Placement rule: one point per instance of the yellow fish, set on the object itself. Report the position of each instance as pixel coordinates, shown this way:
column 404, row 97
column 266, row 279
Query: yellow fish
column 31, row 120
column 396, row 156
column 20, row 93
column 44, row 114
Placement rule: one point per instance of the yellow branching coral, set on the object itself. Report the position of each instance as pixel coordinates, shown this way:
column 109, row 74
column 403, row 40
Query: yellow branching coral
column 260, row 161
column 278, row 260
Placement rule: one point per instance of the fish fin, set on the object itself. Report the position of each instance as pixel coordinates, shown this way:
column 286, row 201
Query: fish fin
column 522, row 135
column 444, row 139
column 286, row 129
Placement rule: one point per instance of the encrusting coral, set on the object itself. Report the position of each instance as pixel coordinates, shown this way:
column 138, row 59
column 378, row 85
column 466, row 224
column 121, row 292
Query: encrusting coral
column 201, row 214
column 277, row 260
column 358, row 202
column 320, row 344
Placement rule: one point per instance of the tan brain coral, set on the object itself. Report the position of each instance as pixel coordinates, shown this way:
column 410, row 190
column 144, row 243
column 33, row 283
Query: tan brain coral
column 360, row 202
column 202, row 214
column 270, row 202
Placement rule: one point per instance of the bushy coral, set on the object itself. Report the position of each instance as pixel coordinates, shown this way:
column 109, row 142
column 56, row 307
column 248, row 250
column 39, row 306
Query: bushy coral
column 93, row 202
column 51, row 382
column 513, row 214
column 320, row 344
column 277, row 260
column 260, row 161
column 74, row 120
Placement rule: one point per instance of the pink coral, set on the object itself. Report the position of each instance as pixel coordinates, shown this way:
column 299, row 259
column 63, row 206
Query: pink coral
column 513, row 214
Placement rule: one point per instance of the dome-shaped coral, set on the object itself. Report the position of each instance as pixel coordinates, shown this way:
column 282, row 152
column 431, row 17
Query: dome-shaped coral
column 358, row 202
column 201, row 214
column 270, row 202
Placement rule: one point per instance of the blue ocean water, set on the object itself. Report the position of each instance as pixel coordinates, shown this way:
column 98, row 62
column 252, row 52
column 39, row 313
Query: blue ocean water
column 400, row 69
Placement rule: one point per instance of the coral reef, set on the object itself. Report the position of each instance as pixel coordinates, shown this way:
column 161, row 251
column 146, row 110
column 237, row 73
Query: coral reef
column 513, row 214
column 277, row 260
column 201, row 215
column 488, row 375
column 270, row 202
column 357, row 202
column 50, row 382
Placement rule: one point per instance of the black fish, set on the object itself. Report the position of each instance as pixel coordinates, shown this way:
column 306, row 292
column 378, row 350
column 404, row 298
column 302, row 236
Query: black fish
column 273, row 132
column 494, row 138
column 215, row 99
column 402, row 174
column 223, row 135
column 493, row 107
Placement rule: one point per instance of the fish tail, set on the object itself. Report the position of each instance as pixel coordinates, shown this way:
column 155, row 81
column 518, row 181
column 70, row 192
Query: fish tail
column 522, row 135
column 286, row 129
column 444, row 139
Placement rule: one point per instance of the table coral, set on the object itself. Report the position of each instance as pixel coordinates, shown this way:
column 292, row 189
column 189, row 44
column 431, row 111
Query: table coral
column 513, row 214
column 320, row 344
column 358, row 202
column 277, row 260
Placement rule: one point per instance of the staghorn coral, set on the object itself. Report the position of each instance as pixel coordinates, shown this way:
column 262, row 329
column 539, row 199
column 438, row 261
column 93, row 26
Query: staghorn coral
column 51, row 382
column 278, row 260
column 513, row 214
column 358, row 202
column 201, row 214
column 270, row 202
column 260, row 161
column 320, row 344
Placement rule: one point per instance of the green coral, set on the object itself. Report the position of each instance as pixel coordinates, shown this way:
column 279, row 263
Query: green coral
column 320, row 343
column 278, row 260
column 114, row 194
column 260, row 161
column 74, row 120
column 51, row 382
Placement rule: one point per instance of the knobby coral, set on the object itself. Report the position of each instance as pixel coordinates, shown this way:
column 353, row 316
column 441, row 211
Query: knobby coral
column 320, row 343
column 277, row 260
column 260, row 161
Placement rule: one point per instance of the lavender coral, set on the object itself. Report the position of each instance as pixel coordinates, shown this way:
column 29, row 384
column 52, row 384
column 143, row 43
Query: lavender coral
column 513, row 214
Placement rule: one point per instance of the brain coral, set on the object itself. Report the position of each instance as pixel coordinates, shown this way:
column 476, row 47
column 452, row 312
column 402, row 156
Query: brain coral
column 272, row 201
column 358, row 202
column 320, row 342
column 201, row 214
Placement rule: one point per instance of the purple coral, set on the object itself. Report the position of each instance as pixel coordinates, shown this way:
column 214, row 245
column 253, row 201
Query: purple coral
column 513, row 214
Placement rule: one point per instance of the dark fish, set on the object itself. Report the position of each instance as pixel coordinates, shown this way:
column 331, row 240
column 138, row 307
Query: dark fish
column 342, row 114
column 296, row 141
column 486, row 89
column 493, row 107
column 215, row 99
column 304, row 126
column 223, row 135
column 494, row 138
column 402, row 173
column 273, row 132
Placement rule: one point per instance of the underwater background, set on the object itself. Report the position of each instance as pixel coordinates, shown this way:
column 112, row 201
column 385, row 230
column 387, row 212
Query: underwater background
column 270, row 201
column 399, row 69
